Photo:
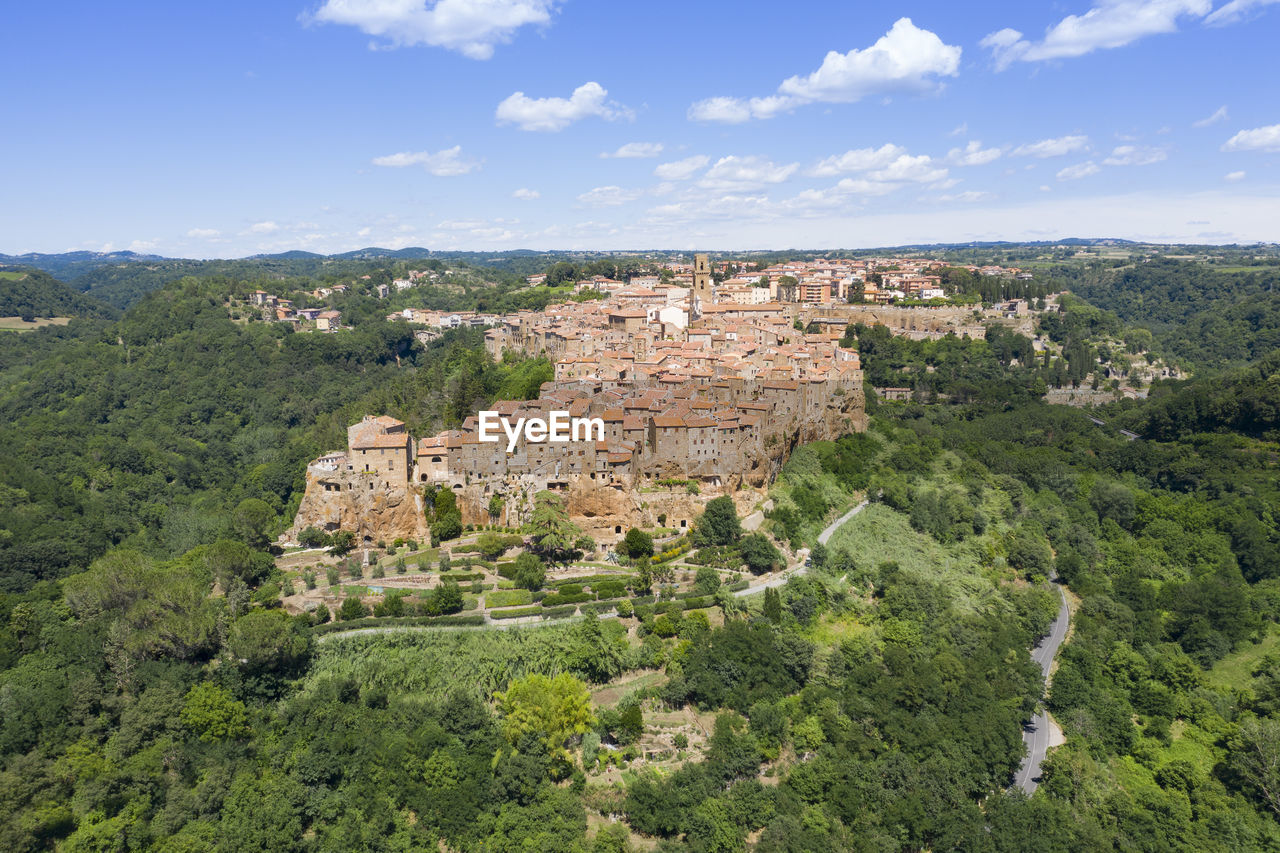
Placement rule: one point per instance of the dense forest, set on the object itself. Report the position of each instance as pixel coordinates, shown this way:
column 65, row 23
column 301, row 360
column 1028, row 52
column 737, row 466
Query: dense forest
column 1212, row 317
column 32, row 293
column 150, row 431
column 155, row 696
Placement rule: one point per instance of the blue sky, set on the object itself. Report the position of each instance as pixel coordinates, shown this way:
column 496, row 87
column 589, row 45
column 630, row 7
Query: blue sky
column 225, row 129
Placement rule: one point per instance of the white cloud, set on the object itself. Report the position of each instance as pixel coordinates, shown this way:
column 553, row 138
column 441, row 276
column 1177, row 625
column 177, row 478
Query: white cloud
column 1232, row 177
column 907, row 169
column 968, row 195
column 723, row 109
column 267, row 227
column 445, row 164
column 1235, row 11
column 1220, row 114
column 973, row 154
column 552, row 114
column 610, row 196
column 905, row 59
column 858, row 160
column 739, row 174
column 680, row 170
column 1259, row 139
column 204, row 233
column 1135, row 155
column 471, row 27
column 1052, row 147
column 526, row 194
column 960, row 130
column 863, row 186
column 1080, row 170
column 142, row 246
column 1112, row 23
column 636, row 151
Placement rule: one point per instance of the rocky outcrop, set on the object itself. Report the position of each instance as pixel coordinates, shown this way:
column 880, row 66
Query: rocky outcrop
column 369, row 508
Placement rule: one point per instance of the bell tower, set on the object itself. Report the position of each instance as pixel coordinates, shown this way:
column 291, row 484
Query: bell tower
column 703, row 293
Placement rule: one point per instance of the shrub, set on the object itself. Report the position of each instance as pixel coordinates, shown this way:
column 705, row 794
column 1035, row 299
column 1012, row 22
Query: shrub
column 516, row 612
column 352, row 608
column 556, row 599
column 707, row 581
column 331, row 575
column 760, row 554
column 609, row 589
column 309, row 579
column 625, row 609
column 313, row 538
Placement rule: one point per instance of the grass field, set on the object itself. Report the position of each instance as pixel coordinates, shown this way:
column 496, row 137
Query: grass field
column 879, row 534
column 10, row 275
column 1236, row 669
column 17, row 324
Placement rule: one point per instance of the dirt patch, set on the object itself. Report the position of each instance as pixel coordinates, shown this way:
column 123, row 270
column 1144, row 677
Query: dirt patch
column 17, row 324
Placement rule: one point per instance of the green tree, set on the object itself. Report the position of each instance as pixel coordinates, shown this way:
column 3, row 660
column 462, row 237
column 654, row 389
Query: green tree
column 312, row 537
column 637, row 544
column 760, row 554
column 343, row 543
column 491, row 545
column 213, row 714
column 552, row 531
column 253, row 519
column 554, row 709
column 269, row 641
column 529, row 572
column 772, row 605
column 706, row 581
column 352, row 608
column 718, row 524
column 1255, row 755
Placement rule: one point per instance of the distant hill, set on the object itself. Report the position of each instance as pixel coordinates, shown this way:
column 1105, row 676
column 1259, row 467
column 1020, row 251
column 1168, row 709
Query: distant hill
column 35, row 293
column 68, row 265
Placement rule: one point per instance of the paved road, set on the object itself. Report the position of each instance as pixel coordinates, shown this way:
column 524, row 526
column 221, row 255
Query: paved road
column 1036, row 733
column 782, row 579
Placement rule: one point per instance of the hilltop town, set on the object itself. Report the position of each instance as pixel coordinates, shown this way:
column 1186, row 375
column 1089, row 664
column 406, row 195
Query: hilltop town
column 692, row 391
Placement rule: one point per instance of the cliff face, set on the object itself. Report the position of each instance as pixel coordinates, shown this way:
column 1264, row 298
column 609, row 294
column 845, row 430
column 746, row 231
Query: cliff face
column 344, row 501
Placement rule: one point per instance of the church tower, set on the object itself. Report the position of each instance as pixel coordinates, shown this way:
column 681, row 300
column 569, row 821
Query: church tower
column 703, row 294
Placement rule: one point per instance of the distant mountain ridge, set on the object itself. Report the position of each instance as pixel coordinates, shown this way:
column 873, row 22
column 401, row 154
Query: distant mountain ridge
column 68, row 265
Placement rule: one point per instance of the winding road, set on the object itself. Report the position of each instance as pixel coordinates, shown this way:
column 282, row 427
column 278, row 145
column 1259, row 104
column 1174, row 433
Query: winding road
column 1038, row 734
column 782, row 579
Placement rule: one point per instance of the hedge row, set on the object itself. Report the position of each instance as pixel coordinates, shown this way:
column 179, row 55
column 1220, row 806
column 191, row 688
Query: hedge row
column 387, row 622
column 516, row 612
column 599, row 607
column 462, row 577
column 738, row 585
column 559, row 612
column 591, row 580
column 508, row 598
column 558, row 598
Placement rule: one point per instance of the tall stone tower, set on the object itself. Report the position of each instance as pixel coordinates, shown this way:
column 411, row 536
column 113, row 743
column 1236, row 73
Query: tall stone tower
column 703, row 294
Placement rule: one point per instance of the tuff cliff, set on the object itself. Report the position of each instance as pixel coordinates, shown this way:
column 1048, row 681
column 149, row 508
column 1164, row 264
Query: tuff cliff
column 371, row 510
